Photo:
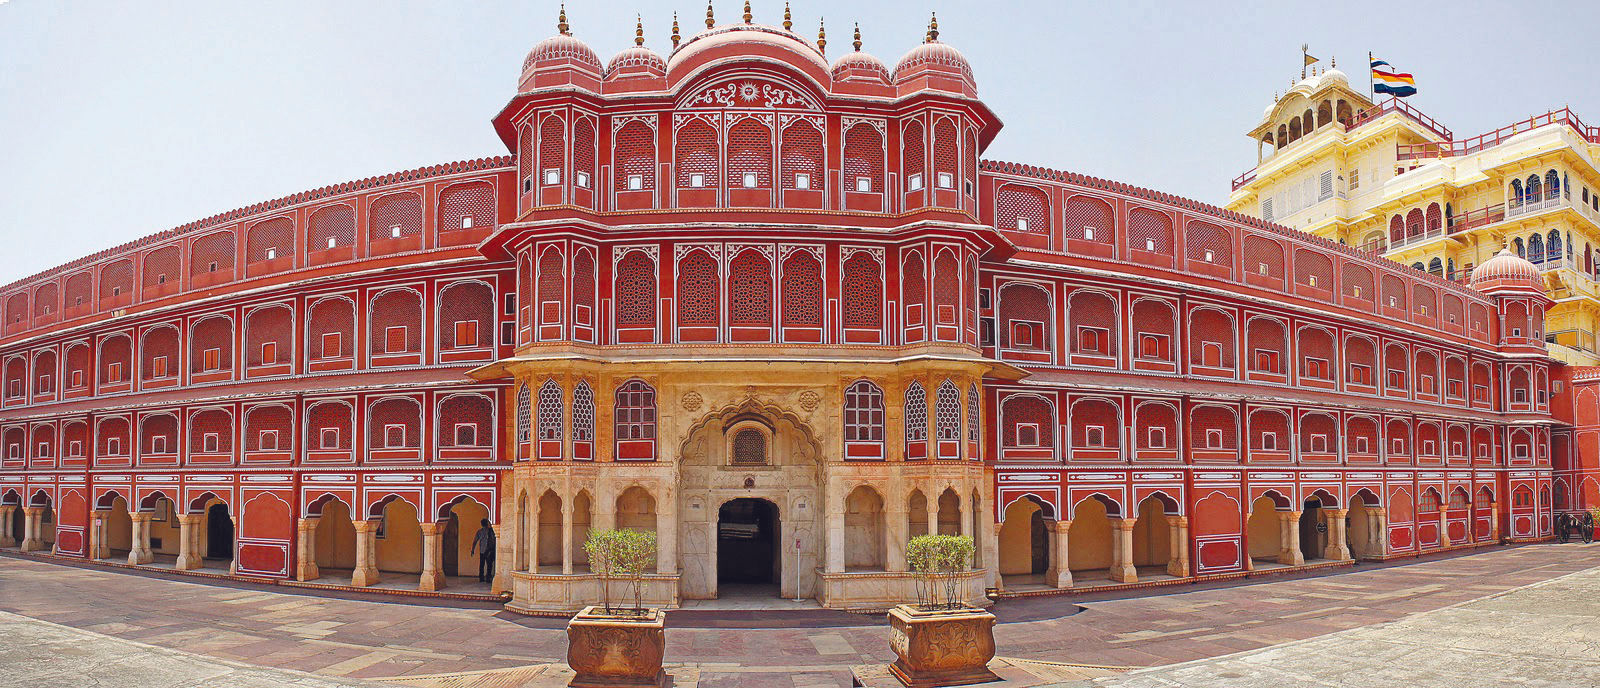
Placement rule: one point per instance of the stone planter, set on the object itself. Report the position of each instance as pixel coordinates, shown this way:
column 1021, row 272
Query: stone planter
column 941, row 648
column 615, row 650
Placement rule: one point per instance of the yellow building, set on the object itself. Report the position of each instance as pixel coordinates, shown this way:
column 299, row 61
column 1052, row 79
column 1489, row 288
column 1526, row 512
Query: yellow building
column 1387, row 178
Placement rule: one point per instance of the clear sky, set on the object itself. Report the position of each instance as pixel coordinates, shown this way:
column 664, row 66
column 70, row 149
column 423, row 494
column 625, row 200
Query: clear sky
column 120, row 119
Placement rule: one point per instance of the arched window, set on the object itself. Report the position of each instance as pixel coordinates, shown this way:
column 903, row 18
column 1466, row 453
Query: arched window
column 636, row 291
column 1552, row 246
column 1552, row 184
column 972, row 418
column 1532, row 188
column 748, row 447
column 863, row 421
column 552, row 151
column 749, row 155
column 802, row 156
column 914, row 157
column 1535, row 248
column 863, row 159
column 699, row 296
column 863, row 292
column 636, row 157
column 947, row 420
column 583, row 422
column 524, row 415
column 802, row 290
column 1516, row 245
column 1515, row 197
column 916, row 421
column 750, row 290
column 635, row 421
column 550, row 413
column 697, row 162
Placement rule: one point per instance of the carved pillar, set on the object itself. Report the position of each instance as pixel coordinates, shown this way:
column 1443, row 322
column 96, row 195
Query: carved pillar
column 996, row 581
column 306, row 550
column 1059, row 575
column 1338, row 549
column 6, row 514
column 31, row 517
column 1494, row 522
column 1122, row 570
column 98, row 547
column 188, row 558
column 139, row 552
column 366, row 571
column 432, row 551
column 899, row 535
column 1249, row 561
column 667, row 533
column 1291, row 556
column 1380, row 524
column 1178, row 561
column 1444, row 532
column 990, row 542
column 566, row 537
column 501, row 576
column 835, row 537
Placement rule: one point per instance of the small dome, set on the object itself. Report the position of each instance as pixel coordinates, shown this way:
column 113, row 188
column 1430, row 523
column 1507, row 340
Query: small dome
column 636, row 60
column 858, row 63
column 936, row 55
column 1508, row 268
column 1309, row 83
column 558, row 50
column 1333, row 76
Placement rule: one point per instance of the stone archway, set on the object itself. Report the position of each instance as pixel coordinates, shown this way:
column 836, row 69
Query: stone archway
column 748, row 552
column 776, row 459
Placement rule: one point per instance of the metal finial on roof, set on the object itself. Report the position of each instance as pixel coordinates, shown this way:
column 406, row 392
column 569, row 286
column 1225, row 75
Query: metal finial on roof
column 710, row 19
column 638, row 30
column 857, row 42
column 561, row 24
column 747, row 11
column 933, row 29
column 822, row 36
column 675, row 36
column 788, row 20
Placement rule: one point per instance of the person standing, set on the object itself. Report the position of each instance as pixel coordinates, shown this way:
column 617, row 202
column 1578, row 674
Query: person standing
column 483, row 546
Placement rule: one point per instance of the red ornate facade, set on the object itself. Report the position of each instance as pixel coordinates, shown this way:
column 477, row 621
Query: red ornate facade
column 1113, row 358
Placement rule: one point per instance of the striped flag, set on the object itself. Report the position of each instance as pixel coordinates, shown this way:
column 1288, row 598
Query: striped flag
column 1385, row 79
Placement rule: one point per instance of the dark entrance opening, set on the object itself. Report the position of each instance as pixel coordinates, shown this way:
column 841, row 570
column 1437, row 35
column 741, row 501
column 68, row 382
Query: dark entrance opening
column 219, row 532
column 1040, row 542
column 452, row 546
column 17, row 519
column 1311, row 529
column 747, row 543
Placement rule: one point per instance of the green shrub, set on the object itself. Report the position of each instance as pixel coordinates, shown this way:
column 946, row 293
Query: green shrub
column 939, row 562
column 621, row 553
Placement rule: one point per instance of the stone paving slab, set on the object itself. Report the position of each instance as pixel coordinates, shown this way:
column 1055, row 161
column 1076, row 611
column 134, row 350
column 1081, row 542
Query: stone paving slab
column 1540, row 635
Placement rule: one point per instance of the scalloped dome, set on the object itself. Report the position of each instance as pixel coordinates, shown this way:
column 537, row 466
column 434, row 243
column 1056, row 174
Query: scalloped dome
column 935, row 54
column 726, row 34
column 860, row 63
column 1332, row 76
column 557, row 50
column 1507, row 267
column 637, row 59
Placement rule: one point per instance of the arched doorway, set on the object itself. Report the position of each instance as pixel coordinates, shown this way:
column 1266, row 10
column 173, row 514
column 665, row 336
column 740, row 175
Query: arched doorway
column 219, row 532
column 1265, row 531
column 335, row 538
column 398, row 546
column 1153, row 536
column 118, row 530
column 747, row 547
column 466, row 517
column 1362, row 525
column 1313, row 529
column 1090, row 540
column 1025, row 540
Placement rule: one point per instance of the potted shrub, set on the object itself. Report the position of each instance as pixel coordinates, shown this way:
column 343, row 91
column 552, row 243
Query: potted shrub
column 616, row 645
column 941, row 640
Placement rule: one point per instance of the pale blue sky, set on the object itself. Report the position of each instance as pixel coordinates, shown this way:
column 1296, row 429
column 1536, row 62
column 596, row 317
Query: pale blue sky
column 119, row 119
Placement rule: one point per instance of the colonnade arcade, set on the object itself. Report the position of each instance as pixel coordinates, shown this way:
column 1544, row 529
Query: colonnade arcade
column 388, row 543
column 1097, row 542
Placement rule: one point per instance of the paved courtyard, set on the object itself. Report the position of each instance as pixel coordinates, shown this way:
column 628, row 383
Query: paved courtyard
column 338, row 641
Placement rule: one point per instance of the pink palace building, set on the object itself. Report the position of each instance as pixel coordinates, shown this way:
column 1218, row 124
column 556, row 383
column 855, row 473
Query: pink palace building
column 774, row 305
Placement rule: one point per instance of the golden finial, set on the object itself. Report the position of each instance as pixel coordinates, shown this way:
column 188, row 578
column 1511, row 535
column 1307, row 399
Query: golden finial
column 747, row 11
column 857, row 42
column 561, row 25
column 822, row 36
column 788, row 20
column 710, row 20
column 933, row 29
column 1335, row 62
column 675, row 36
column 638, row 30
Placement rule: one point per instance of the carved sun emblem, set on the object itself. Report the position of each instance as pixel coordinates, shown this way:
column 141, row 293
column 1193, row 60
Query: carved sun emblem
column 748, row 92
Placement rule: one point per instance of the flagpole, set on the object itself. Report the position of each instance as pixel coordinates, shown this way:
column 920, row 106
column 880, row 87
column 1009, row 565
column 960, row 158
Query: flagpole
column 1372, row 94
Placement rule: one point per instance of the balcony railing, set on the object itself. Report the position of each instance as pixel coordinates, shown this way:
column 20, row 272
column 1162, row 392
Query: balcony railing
column 1449, row 149
column 1362, row 118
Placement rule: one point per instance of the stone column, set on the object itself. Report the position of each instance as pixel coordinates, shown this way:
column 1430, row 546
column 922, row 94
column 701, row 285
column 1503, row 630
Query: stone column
column 366, row 571
column 1244, row 542
column 1122, row 570
column 498, row 582
column 1444, row 532
column 566, row 537
column 1059, row 575
column 98, row 547
column 188, row 558
column 667, row 534
column 1380, row 523
column 994, row 578
column 1178, row 562
column 139, row 552
column 1292, row 556
column 835, row 544
column 990, row 542
column 1494, row 522
column 31, row 517
column 6, row 514
column 306, row 550
column 1338, row 549
column 432, row 551
column 899, row 536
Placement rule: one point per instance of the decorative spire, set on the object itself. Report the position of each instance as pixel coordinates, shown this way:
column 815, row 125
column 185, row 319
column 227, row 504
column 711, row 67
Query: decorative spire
column 822, row 36
column 561, row 24
column 638, row 30
column 747, row 11
column 788, row 20
column 1335, row 63
column 857, row 42
column 675, row 36
column 933, row 29
column 710, row 19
